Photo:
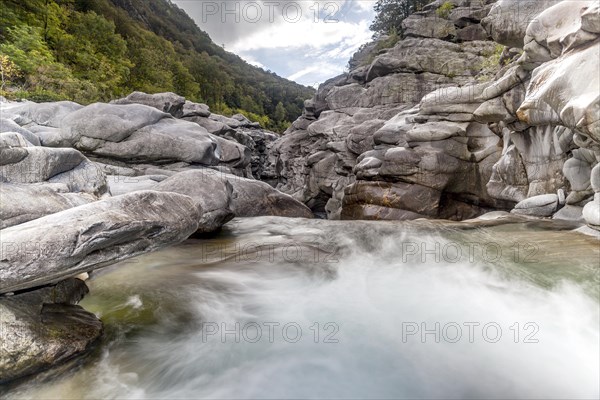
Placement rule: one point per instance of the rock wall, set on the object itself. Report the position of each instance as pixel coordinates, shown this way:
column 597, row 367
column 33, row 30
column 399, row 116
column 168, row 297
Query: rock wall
column 491, row 106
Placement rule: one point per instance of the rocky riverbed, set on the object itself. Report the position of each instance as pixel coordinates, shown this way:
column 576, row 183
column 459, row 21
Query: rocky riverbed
column 86, row 187
column 493, row 107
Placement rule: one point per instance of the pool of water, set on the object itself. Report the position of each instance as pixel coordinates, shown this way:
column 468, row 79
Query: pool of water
column 282, row 308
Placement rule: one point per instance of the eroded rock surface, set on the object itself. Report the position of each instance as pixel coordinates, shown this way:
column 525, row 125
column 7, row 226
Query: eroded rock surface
column 43, row 328
column 91, row 236
column 487, row 127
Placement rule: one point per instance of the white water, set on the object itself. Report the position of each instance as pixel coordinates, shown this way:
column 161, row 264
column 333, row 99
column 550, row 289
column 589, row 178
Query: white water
column 160, row 311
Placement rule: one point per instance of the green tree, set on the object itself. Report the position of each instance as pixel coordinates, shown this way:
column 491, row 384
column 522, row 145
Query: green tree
column 26, row 48
column 9, row 72
column 391, row 13
column 280, row 113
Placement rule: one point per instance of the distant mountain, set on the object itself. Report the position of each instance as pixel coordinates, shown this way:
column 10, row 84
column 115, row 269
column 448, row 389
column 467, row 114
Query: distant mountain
column 90, row 50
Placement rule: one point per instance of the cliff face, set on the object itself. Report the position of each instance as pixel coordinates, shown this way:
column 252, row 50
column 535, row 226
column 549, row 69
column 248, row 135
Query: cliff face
column 492, row 106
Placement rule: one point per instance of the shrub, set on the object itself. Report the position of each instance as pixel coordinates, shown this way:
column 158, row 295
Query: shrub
column 444, row 10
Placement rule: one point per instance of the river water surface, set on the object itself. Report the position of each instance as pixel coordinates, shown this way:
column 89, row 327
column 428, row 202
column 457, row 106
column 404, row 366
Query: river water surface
column 282, row 308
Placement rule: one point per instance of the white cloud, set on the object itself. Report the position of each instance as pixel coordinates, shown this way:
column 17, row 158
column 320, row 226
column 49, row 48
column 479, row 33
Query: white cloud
column 293, row 38
column 364, row 5
column 321, row 68
column 250, row 60
column 303, row 33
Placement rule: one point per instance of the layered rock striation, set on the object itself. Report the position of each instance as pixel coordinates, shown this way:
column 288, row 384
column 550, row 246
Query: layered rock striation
column 487, row 106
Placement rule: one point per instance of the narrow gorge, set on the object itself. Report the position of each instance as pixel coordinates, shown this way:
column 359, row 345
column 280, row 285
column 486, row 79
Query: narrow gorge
column 451, row 175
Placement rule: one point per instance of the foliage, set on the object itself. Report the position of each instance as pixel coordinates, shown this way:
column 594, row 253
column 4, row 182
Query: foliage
column 9, row 72
column 99, row 50
column 444, row 10
column 491, row 64
column 391, row 13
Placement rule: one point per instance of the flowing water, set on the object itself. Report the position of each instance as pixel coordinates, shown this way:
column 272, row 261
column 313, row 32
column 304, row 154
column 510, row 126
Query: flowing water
column 281, row 308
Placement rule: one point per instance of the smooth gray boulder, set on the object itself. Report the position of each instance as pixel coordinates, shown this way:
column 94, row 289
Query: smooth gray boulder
column 254, row 198
column 43, row 328
column 590, row 19
column 195, row 110
column 168, row 140
column 7, row 125
column 578, row 104
column 245, row 122
column 558, row 30
column 92, row 236
column 222, row 196
column 538, row 206
column 22, row 162
column 595, row 178
column 214, row 127
column 231, row 122
column 508, row 20
column 168, row 102
column 25, row 202
column 46, row 114
column 438, row 57
column 210, row 191
column 591, row 212
column 137, row 134
column 578, row 172
column 107, row 122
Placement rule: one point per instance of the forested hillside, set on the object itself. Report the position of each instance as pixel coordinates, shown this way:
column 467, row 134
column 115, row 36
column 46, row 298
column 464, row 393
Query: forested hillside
column 97, row 50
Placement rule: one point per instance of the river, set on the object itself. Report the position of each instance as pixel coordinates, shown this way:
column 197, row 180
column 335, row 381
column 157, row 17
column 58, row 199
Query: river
column 282, row 308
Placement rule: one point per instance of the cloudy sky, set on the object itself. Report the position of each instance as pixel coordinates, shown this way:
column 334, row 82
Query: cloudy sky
column 307, row 41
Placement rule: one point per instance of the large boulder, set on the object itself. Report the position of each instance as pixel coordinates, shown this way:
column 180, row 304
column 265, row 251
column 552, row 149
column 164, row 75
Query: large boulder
column 253, row 198
column 24, row 163
column 508, row 20
column 566, row 92
column 46, row 114
column 168, row 102
column 141, row 134
column 209, row 190
column 91, row 236
column 558, row 30
column 219, row 196
column 8, row 125
column 100, row 122
column 389, row 201
column 212, row 126
column 43, row 328
column 26, row 202
column 591, row 211
column 538, row 206
column 191, row 109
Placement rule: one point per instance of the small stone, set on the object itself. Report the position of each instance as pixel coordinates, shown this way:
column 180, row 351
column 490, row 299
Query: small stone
column 561, row 197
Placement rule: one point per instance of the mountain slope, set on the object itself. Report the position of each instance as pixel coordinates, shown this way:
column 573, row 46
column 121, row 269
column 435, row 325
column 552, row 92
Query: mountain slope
column 87, row 51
